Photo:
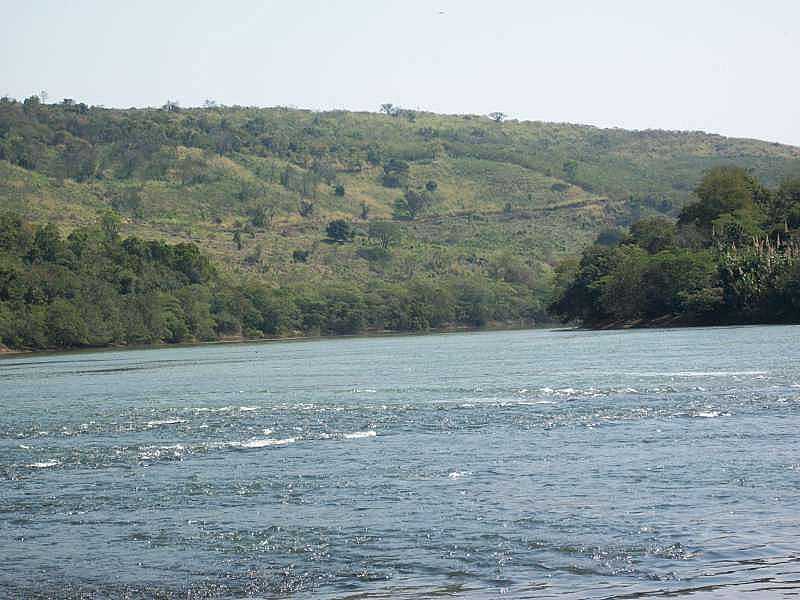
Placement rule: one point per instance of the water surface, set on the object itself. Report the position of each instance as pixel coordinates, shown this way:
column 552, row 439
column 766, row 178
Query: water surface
column 546, row 464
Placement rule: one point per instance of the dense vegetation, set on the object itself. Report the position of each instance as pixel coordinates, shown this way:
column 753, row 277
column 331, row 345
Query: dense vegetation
column 322, row 222
column 94, row 288
column 732, row 257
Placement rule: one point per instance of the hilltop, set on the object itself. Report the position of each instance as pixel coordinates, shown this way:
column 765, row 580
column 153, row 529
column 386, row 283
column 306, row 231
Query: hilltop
column 421, row 196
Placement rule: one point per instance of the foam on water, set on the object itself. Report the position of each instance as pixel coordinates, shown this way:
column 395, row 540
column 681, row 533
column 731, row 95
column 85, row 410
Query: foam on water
column 44, row 464
column 163, row 422
column 711, row 414
column 263, row 443
column 699, row 373
column 223, row 409
column 171, row 451
column 359, row 434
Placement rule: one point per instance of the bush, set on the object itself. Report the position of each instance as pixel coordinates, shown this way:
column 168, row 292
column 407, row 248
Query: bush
column 339, row 230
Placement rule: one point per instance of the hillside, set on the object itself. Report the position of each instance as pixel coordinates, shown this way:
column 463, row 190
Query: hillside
column 465, row 196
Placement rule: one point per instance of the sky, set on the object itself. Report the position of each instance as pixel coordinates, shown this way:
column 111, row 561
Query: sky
column 722, row 66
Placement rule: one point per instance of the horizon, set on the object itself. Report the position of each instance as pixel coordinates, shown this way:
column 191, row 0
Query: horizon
column 718, row 68
column 508, row 119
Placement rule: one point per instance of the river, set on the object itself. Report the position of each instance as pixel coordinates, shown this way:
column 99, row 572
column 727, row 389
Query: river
column 529, row 464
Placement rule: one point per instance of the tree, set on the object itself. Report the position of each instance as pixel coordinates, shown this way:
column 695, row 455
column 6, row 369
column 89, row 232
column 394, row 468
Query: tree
column 570, row 170
column 65, row 325
column 783, row 211
column 580, row 298
column 610, row 236
column 622, row 293
column 339, row 190
column 390, row 109
column 47, row 245
column 497, row 117
column 237, row 239
column 431, row 185
column 723, row 190
column 395, row 172
column 306, row 208
column 16, row 234
column 654, row 234
column 31, row 104
column 339, row 230
column 364, row 211
column 78, row 159
column 739, row 227
column 385, row 232
column 411, row 205
column 261, row 216
column 299, row 256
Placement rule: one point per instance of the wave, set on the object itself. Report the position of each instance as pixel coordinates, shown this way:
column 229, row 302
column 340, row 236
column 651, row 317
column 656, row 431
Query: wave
column 572, row 392
column 710, row 414
column 222, row 409
column 171, row 452
column 698, row 373
column 262, row 443
column 43, row 465
column 160, row 422
column 359, row 434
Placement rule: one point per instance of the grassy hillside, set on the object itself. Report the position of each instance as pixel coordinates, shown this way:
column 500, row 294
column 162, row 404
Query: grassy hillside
column 256, row 188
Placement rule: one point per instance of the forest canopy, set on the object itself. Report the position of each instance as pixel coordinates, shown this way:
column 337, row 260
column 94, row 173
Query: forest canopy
column 94, row 288
column 732, row 257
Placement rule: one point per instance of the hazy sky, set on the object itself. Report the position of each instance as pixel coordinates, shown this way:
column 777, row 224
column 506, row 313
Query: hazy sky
column 726, row 66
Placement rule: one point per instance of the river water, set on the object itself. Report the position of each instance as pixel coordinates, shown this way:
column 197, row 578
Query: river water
column 530, row 464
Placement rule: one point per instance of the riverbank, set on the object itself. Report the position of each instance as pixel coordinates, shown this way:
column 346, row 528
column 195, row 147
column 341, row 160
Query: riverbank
column 673, row 322
column 6, row 352
column 666, row 321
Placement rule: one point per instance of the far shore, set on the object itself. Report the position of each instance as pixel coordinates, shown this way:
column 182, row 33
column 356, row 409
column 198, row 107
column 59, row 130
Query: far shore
column 640, row 324
column 6, row 352
column 668, row 322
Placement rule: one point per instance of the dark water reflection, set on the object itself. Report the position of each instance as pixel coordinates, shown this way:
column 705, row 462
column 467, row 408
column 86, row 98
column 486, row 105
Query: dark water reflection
column 541, row 464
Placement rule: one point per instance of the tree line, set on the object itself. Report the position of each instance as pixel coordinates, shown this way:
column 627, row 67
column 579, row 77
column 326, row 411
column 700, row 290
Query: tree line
column 94, row 288
column 733, row 256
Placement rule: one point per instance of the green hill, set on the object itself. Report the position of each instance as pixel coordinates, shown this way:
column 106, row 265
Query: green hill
column 469, row 196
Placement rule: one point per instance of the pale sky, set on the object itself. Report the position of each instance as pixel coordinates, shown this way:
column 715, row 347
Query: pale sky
column 723, row 66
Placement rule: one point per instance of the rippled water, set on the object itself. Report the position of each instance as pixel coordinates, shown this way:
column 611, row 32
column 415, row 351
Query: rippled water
column 546, row 464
